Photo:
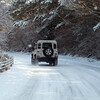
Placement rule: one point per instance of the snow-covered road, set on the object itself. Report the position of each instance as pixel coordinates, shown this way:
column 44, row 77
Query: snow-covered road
column 73, row 79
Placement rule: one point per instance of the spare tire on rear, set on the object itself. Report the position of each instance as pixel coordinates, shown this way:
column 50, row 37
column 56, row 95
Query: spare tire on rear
column 48, row 52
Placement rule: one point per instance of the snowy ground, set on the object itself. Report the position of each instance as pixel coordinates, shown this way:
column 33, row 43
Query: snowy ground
column 73, row 79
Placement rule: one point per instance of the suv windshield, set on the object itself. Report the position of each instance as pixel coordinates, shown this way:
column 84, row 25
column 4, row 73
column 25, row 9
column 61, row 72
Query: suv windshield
column 47, row 45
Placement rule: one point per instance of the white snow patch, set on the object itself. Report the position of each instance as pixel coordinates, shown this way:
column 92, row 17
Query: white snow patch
column 2, row 1
column 30, row 1
column 95, row 8
column 96, row 27
column 48, row 1
column 21, row 23
column 52, row 12
column 42, row 2
column 74, row 0
column 44, row 20
column 73, row 79
column 51, row 17
column 41, row 28
column 18, row 10
column 59, row 25
column 38, row 17
column 81, row 60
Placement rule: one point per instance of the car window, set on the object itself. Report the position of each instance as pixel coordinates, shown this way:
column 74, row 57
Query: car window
column 47, row 45
column 39, row 46
column 55, row 46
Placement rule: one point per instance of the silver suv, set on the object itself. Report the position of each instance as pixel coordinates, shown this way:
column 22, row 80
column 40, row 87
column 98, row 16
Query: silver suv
column 45, row 51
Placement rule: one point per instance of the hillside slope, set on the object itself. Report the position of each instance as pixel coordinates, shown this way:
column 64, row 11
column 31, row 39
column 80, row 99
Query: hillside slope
column 70, row 23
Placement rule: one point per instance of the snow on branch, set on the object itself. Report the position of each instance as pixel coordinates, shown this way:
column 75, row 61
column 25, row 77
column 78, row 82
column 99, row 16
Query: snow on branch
column 95, row 8
column 21, row 23
column 30, row 1
column 48, row 1
column 59, row 25
column 96, row 27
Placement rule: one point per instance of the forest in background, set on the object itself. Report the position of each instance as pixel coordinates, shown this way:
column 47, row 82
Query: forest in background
column 73, row 23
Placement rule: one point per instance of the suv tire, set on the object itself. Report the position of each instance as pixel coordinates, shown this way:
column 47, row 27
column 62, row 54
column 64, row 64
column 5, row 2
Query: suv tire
column 55, row 62
column 48, row 52
column 34, row 61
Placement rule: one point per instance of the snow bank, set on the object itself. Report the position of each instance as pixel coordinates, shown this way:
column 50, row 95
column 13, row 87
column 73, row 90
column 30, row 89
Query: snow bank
column 71, row 80
column 81, row 60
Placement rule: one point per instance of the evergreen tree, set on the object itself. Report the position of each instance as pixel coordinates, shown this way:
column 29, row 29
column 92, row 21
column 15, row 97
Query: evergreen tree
column 92, row 6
